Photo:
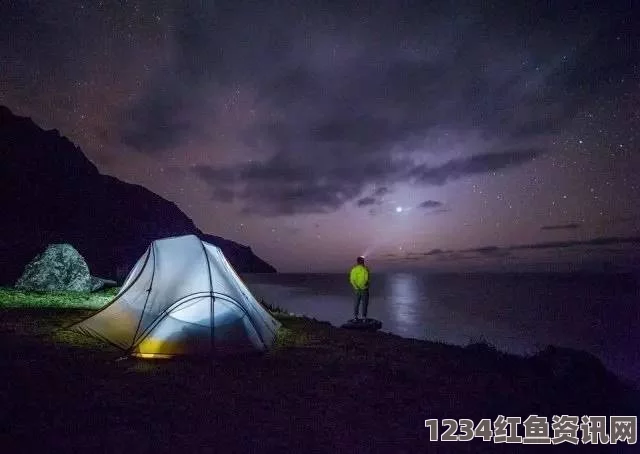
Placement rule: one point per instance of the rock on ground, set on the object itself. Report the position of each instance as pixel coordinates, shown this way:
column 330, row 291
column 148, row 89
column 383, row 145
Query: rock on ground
column 98, row 283
column 59, row 268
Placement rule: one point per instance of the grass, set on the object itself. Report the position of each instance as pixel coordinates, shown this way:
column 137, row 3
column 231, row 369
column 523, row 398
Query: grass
column 273, row 309
column 12, row 298
column 289, row 338
column 320, row 389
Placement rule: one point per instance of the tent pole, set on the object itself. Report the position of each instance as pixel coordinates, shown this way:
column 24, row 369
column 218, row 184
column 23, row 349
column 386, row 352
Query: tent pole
column 146, row 300
column 211, row 298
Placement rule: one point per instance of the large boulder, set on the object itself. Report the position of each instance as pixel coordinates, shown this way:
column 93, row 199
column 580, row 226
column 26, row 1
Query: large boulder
column 59, row 268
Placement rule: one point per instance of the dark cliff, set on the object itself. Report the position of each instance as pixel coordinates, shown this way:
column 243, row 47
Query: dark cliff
column 50, row 192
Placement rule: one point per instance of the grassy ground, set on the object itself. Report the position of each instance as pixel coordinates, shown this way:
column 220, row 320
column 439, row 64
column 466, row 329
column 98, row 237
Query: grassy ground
column 11, row 298
column 321, row 389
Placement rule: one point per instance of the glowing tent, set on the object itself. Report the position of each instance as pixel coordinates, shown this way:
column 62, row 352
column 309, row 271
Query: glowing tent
column 182, row 297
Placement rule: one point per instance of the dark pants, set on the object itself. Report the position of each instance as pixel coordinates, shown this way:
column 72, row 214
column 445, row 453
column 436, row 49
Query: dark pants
column 361, row 295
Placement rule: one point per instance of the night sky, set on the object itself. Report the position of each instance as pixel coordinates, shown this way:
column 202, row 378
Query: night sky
column 422, row 134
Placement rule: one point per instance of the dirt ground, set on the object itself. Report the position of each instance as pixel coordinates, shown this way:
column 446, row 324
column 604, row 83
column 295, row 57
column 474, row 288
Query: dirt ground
column 322, row 389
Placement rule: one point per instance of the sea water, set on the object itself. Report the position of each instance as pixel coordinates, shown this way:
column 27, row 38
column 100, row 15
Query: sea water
column 517, row 313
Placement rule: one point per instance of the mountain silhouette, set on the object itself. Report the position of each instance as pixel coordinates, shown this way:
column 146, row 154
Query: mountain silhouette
column 51, row 193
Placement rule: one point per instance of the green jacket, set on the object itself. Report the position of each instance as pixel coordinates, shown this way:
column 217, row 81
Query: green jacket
column 359, row 277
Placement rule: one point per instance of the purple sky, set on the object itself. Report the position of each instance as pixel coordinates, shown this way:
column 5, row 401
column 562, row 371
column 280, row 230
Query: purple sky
column 432, row 135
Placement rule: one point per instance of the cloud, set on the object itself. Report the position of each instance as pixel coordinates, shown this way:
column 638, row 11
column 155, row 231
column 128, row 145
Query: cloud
column 572, row 226
column 154, row 124
column 381, row 191
column 487, row 251
column 370, row 81
column 281, row 186
column 467, row 254
column 600, row 241
column 476, row 164
column 286, row 185
column 494, row 251
column 483, row 250
column 339, row 99
column 430, row 204
column 367, row 201
column 374, row 199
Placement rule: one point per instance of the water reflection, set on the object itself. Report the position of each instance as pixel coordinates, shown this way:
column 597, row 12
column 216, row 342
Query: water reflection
column 402, row 292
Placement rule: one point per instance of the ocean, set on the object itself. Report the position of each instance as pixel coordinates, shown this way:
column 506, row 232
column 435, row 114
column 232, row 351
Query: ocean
column 517, row 313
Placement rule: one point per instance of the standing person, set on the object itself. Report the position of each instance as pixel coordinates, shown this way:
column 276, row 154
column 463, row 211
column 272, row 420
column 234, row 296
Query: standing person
column 359, row 278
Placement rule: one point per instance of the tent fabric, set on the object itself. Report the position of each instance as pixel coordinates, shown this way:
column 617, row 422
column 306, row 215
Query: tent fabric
column 182, row 297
